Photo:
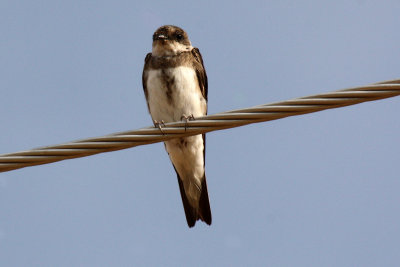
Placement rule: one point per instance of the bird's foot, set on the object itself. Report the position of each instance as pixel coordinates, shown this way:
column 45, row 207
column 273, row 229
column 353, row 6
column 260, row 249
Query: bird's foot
column 159, row 125
column 187, row 118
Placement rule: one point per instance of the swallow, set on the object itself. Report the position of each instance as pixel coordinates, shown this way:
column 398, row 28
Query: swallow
column 175, row 86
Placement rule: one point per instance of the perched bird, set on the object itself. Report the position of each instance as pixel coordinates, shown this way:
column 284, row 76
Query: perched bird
column 175, row 87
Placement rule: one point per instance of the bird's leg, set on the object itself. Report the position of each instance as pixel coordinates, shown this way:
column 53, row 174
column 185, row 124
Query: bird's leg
column 159, row 124
column 187, row 118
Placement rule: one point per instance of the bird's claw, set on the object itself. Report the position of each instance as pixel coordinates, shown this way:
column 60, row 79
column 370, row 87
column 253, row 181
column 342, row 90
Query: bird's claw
column 159, row 125
column 187, row 118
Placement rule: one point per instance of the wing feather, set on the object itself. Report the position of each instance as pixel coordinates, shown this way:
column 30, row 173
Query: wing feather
column 200, row 72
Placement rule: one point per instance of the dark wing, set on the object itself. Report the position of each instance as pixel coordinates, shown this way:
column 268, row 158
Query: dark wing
column 144, row 77
column 203, row 82
column 191, row 214
column 200, row 72
column 204, row 212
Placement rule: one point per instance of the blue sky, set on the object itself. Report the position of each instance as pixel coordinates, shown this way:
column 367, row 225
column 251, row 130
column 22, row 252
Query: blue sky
column 314, row 190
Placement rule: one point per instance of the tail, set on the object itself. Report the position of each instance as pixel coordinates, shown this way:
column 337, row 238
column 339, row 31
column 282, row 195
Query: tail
column 202, row 211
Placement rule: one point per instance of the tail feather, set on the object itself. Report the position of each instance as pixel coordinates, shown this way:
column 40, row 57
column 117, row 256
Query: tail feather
column 190, row 215
column 203, row 212
column 204, row 205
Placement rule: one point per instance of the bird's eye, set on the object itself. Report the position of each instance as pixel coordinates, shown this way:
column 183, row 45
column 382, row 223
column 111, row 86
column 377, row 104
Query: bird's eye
column 179, row 37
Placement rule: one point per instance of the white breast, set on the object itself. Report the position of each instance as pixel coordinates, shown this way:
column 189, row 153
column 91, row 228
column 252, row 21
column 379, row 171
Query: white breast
column 181, row 95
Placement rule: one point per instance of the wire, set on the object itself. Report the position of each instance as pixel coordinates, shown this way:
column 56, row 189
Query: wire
column 219, row 121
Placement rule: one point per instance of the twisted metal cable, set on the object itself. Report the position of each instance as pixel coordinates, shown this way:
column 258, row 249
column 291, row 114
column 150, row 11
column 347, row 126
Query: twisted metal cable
column 224, row 120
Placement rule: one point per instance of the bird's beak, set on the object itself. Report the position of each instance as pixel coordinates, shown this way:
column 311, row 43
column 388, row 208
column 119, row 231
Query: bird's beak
column 162, row 37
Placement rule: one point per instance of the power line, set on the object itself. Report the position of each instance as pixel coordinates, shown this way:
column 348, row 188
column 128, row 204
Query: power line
column 219, row 121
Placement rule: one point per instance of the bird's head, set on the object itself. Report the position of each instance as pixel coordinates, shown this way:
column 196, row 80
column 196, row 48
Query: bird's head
column 170, row 40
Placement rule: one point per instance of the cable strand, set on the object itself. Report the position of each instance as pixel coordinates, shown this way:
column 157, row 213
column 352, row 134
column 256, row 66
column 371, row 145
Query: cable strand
column 205, row 124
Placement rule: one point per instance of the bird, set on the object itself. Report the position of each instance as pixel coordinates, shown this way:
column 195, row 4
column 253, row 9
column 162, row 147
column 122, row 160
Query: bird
column 175, row 87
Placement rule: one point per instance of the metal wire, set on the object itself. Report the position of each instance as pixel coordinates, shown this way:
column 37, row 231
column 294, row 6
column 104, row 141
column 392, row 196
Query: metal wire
column 225, row 120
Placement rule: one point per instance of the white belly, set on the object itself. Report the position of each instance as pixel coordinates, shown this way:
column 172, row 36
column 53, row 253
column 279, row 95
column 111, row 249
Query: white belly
column 181, row 97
